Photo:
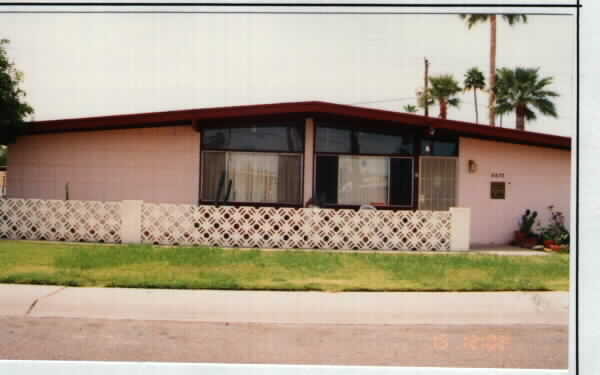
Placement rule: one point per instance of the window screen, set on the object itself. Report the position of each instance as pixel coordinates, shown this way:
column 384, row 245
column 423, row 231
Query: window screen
column 437, row 183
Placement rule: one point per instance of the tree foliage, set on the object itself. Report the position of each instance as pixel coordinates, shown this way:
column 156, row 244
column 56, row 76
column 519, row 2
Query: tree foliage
column 443, row 90
column 410, row 108
column 522, row 90
column 474, row 80
column 424, row 98
column 474, row 19
column 13, row 108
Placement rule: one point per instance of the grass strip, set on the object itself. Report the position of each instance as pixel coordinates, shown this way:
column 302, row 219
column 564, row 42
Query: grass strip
column 145, row 266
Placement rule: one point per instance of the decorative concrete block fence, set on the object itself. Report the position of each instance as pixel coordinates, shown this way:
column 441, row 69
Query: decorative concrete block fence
column 228, row 226
column 55, row 220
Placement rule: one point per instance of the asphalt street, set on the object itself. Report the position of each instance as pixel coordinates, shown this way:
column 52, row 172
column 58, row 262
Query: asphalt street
column 503, row 330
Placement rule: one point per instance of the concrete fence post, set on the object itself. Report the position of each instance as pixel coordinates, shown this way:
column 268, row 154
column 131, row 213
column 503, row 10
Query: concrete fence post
column 460, row 228
column 131, row 221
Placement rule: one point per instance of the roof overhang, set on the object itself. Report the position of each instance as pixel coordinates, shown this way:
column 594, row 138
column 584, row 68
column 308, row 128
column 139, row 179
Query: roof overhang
column 311, row 108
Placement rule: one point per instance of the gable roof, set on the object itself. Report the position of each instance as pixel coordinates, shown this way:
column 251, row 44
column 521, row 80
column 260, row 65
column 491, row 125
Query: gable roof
column 308, row 108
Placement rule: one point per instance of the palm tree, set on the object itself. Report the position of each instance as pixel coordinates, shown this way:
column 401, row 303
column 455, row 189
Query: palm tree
column 410, row 108
column 522, row 90
column 474, row 80
column 443, row 90
column 472, row 20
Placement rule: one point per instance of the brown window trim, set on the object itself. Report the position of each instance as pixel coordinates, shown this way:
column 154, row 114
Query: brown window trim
column 357, row 207
column 377, row 155
column 205, row 149
column 292, row 205
column 252, row 204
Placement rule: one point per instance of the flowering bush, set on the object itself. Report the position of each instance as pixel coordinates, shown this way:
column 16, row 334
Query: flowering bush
column 556, row 230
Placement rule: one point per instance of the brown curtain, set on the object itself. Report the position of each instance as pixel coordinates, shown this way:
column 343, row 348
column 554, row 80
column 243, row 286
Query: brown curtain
column 213, row 165
column 289, row 181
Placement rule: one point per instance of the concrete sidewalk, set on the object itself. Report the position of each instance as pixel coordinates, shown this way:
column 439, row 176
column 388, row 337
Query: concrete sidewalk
column 444, row 308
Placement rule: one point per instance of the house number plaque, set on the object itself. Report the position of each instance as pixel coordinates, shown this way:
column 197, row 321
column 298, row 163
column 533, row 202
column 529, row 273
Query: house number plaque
column 497, row 175
column 498, row 190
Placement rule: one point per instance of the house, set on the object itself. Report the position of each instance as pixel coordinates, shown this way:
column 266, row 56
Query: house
column 294, row 154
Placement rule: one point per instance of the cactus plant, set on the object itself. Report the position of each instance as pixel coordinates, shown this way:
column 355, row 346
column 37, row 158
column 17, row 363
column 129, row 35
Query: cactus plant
column 527, row 221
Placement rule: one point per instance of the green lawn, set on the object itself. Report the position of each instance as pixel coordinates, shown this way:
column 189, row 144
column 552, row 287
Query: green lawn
column 138, row 266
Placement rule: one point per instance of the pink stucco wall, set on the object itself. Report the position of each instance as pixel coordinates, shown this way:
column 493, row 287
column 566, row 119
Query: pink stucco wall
column 151, row 164
column 535, row 177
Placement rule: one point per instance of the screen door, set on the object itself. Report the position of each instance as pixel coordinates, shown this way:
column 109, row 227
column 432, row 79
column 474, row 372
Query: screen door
column 437, row 183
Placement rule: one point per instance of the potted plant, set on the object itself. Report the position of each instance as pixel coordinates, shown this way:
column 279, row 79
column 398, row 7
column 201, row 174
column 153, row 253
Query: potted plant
column 555, row 247
column 548, row 238
column 524, row 236
column 555, row 235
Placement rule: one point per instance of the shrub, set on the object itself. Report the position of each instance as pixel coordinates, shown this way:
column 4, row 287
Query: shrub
column 556, row 230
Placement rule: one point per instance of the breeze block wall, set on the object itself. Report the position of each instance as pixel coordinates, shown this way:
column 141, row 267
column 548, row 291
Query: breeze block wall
column 152, row 164
column 135, row 221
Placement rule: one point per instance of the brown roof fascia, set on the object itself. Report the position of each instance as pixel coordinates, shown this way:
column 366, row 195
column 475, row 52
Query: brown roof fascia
column 309, row 108
column 460, row 128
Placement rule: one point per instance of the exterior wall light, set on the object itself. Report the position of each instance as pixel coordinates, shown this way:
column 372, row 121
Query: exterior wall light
column 472, row 166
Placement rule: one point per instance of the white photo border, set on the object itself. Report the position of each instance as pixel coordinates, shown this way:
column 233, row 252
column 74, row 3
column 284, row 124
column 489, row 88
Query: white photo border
column 584, row 325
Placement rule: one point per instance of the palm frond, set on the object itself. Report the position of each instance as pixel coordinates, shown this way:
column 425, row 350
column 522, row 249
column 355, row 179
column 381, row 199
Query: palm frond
column 545, row 106
column 474, row 79
column 410, row 108
column 513, row 19
column 529, row 114
column 474, row 19
column 523, row 88
column 503, row 108
column 454, row 102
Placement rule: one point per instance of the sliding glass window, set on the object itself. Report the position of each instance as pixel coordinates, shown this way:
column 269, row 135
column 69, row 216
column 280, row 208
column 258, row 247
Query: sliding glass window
column 363, row 179
column 253, row 164
column 364, row 166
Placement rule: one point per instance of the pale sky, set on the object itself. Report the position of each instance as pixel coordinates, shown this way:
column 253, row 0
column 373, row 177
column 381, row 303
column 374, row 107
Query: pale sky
column 79, row 65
